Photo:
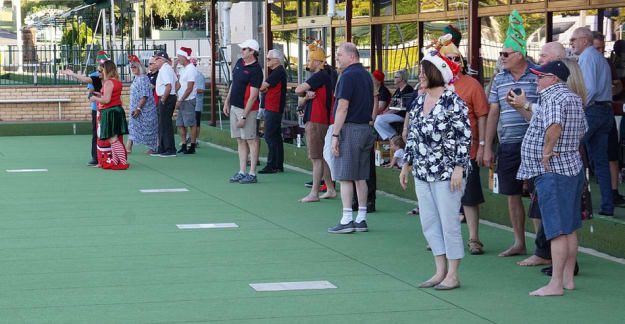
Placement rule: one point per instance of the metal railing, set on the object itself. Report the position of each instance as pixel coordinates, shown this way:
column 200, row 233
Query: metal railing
column 42, row 65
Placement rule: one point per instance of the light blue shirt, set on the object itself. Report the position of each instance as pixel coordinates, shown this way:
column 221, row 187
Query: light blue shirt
column 512, row 126
column 200, row 83
column 94, row 106
column 597, row 75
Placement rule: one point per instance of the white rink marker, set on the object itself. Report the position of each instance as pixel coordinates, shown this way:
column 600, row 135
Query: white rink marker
column 202, row 226
column 164, row 190
column 27, row 170
column 301, row 285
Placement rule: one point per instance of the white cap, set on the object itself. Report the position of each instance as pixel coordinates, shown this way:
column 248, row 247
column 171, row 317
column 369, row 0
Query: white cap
column 250, row 43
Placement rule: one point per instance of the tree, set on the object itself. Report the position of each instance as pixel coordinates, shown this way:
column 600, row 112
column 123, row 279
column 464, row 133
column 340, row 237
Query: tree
column 167, row 8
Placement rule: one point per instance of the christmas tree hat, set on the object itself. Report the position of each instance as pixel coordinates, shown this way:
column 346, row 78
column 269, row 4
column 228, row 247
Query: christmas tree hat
column 515, row 36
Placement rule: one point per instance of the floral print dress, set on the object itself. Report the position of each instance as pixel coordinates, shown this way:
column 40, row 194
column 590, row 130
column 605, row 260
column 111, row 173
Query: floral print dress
column 143, row 129
column 440, row 140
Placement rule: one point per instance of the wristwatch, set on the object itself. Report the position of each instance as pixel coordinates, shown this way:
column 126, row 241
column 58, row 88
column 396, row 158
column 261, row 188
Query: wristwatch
column 528, row 106
column 482, row 143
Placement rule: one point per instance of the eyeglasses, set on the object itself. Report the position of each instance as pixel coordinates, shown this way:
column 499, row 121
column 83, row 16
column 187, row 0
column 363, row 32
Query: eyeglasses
column 454, row 58
column 99, row 71
column 572, row 39
column 270, row 58
column 133, row 67
column 506, row 54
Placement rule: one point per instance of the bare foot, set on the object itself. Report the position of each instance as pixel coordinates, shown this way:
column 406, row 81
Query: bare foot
column 328, row 195
column 309, row 198
column 449, row 282
column 569, row 285
column 513, row 251
column 97, row 166
column 534, row 261
column 148, row 152
column 547, row 291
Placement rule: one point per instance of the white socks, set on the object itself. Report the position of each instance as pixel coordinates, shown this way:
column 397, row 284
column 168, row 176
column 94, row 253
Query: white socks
column 362, row 214
column 347, row 216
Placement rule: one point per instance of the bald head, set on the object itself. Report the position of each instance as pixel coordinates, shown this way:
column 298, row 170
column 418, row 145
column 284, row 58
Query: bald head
column 550, row 52
column 581, row 39
column 347, row 54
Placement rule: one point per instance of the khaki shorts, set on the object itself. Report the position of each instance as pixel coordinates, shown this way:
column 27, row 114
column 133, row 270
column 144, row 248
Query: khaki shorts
column 315, row 139
column 249, row 130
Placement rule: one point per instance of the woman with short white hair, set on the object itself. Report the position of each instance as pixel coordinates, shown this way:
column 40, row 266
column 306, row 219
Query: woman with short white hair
column 143, row 122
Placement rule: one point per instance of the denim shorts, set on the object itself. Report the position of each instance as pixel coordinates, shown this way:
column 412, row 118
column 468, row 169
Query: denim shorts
column 560, row 201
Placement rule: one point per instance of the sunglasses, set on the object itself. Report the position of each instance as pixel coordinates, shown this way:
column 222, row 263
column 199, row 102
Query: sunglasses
column 506, row 54
column 454, row 58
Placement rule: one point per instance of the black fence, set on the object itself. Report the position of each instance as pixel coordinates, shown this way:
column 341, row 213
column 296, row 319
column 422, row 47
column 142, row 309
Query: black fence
column 41, row 65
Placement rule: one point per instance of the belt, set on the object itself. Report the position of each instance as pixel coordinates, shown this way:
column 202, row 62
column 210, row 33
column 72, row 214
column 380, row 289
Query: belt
column 171, row 95
column 604, row 103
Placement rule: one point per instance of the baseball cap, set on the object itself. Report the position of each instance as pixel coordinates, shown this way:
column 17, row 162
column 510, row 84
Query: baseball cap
column 556, row 68
column 162, row 54
column 250, row 43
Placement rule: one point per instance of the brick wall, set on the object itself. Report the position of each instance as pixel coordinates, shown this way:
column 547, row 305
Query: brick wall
column 79, row 109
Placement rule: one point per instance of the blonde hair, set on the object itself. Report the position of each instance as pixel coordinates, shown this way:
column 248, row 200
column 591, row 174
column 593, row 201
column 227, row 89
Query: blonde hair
column 398, row 141
column 109, row 70
column 575, row 82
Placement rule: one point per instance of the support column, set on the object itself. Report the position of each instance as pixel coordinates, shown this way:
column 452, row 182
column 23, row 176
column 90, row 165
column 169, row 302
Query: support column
column 549, row 27
column 333, row 45
column 600, row 16
column 475, row 35
column 213, row 44
column 372, row 50
column 348, row 20
column 420, row 32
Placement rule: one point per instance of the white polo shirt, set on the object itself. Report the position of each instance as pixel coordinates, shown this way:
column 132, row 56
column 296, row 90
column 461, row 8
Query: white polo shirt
column 166, row 75
column 187, row 74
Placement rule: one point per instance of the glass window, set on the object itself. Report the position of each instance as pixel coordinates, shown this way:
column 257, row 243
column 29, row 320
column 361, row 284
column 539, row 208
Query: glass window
column 286, row 41
column 431, row 5
column 382, row 8
column 403, row 7
column 290, row 11
column 400, row 49
column 315, row 7
column 276, row 12
column 361, row 8
column 361, row 36
column 493, row 3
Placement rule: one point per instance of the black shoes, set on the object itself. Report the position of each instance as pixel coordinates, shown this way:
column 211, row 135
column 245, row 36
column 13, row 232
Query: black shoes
column 606, row 213
column 191, row 150
column 617, row 199
column 183, row 149
column 268, row 169
column 92, row 162
column 548, row 270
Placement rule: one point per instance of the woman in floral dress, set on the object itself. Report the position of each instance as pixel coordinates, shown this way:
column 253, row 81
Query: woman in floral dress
column 439, row 140
column 142, row 122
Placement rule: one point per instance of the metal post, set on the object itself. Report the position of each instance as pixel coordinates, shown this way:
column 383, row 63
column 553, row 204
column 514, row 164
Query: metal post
column 474, row 35
column 213, row 43
column 144, row 41
column 420, row 32
column 348, row 20
column 549, row 26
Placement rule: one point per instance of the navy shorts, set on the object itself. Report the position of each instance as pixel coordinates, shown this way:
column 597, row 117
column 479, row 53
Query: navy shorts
column 560, row 200
column 473, row 194
column 198, row 118
column 508, row 163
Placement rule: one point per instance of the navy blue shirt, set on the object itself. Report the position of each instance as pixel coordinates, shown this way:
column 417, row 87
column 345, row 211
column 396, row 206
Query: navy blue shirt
column 245, row 77
column 275, row 97
column 356, row 86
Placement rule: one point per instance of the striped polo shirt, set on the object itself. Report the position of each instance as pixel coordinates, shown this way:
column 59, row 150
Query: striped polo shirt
column 512, row 126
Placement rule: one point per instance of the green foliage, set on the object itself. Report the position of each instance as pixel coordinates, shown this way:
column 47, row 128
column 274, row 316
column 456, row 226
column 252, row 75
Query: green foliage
column 77, row 35
column 32, row 6
column 170, row 8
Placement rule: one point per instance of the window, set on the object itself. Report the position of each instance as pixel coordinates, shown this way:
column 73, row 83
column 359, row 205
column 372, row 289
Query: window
column 403, row 7
column 382, row 8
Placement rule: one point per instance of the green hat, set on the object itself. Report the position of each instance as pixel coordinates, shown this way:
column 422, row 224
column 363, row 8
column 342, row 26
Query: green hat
column 515, row 36
column 455, row 34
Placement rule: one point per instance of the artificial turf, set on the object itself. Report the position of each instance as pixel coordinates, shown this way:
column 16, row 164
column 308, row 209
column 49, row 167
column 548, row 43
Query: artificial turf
column 84, row 245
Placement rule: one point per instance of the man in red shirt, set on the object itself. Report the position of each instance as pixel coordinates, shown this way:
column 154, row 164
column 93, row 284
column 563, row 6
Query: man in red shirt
column 318, row 92
column 274, row 99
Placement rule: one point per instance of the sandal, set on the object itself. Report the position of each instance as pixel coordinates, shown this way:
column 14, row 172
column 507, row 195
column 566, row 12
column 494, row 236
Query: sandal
column 415, row 211
column 475, row 247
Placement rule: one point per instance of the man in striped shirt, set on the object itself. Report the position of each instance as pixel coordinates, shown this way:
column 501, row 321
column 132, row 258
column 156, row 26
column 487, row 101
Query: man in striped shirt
column 510, row 126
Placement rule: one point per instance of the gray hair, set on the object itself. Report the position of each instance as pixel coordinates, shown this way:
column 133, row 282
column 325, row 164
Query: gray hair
column 556, row 49
column 142, row 69
column 598, row 36
column 584, row 32
column 403, row 74
column 350, row 48
column 276, row 53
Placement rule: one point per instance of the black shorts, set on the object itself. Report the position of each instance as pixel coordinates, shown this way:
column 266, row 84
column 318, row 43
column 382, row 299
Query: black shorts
column 198, row 116
column 473, row 195
column 613, row 147
column 508, row 163
column 534, row 209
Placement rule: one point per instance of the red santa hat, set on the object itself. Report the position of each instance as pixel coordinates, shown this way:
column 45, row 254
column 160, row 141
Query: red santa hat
column 184, row 51
column 447, row 68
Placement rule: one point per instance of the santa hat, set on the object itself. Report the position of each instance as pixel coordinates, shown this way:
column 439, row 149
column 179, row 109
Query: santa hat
column 184, row 51
column 133, row 58
column 447, row 68
column 378, row 75
column 102, row 57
